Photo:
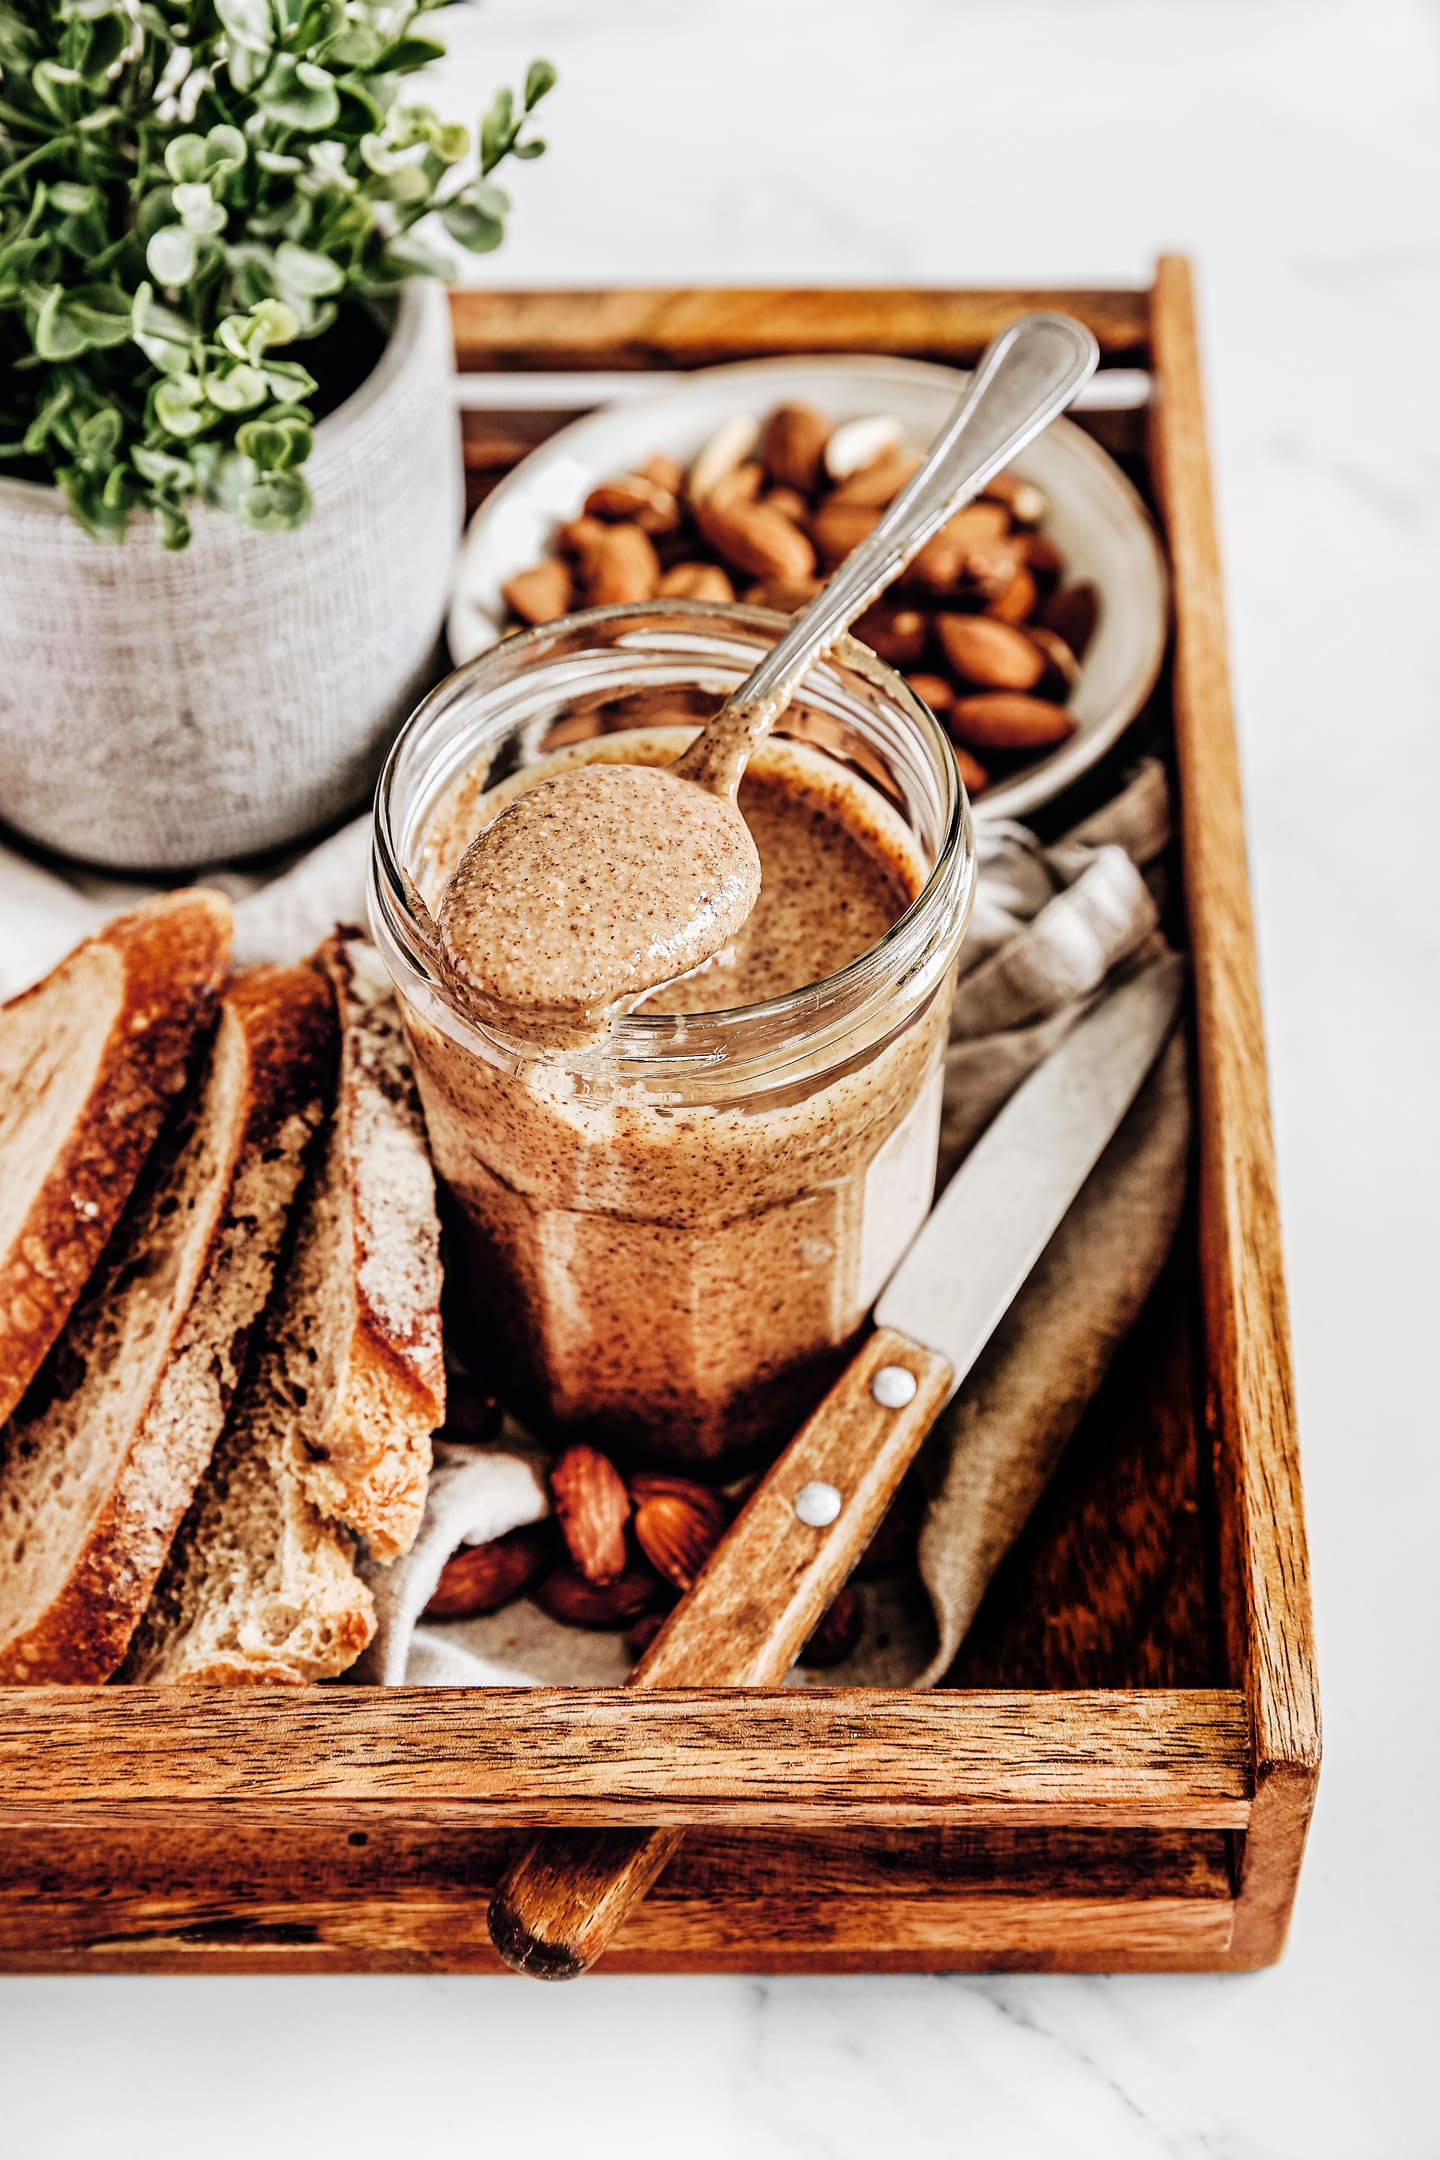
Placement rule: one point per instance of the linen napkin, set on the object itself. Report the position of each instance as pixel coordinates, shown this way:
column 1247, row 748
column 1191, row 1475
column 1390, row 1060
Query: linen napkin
column 1053, row 927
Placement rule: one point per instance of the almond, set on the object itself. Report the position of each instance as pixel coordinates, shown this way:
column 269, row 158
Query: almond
column 838, row 527
column 934, row 691
column 838, row 1631
column 731, row 443
column 482, row 1578
column 579, row 535
column 1006, row 720
column 1072, row 614
column 593, row 1507
column 666, row 472
column 696, row 581
column 992, row 655
column 634, row 499
column 567, row 1597
column 1063, row 668
column 789, row 502
column 898, row 635
column 756, row 540
column 647, row 1485
column 743, row 485
column 1017, row 598
column 1026, row 503
column 677, row 1536
column 878, row 484
column 972, row 772
column 794, row 447
column 858, row 443
column 539, row 595
column 1044, row 558
column 620, row 567
column 948, row 555
column 787, row 595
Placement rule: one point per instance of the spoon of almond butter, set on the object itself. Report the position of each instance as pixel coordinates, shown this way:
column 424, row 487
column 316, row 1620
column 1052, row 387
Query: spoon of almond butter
column 604, row 881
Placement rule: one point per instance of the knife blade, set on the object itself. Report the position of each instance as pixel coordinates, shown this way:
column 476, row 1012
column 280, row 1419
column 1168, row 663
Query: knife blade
column 764, row 1588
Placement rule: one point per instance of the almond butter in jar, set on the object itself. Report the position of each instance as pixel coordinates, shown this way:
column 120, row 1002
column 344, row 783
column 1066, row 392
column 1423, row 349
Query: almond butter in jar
column 669, row 1241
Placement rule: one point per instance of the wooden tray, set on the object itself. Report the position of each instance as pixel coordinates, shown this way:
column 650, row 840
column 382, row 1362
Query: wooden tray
column 1123, row 1775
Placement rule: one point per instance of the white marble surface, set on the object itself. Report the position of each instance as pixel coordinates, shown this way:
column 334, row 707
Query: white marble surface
column 1296, row 149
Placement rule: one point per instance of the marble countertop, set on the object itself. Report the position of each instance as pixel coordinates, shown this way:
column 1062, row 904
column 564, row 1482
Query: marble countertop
column 1294, row 147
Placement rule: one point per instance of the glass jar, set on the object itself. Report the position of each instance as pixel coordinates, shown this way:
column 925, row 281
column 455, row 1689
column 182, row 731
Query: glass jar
column 669, row 1242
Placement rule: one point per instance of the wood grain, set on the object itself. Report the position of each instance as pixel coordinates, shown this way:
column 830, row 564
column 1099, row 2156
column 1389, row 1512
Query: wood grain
column 678, row 327
column 1264, row 1563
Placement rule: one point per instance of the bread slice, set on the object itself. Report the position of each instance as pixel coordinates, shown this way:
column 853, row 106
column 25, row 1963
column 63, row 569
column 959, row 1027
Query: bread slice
column 367, row 1277
column 90, row 1059
column 103, row 1457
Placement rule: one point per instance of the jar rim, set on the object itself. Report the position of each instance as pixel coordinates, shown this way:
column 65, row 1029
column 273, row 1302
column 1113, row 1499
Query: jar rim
column 679, row 1041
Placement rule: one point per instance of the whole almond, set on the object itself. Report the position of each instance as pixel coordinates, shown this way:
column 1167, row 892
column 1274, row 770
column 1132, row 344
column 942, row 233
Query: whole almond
column 972, row 772
column 947, row 556
column 1072, row 613
column 696, row 581
column 634, row 499
column 1027, row 503
column 857, row 443
column 838, row 1631
column 898, row 634
column 934, row 691
column 666, row 472
column 579, row 535
column 482, row 1578
column 593, row 1507
column 992, row 655
column 539, row 595
column 620, row 567
column 787, row 595
column 1007, row 720
column 1063, row 667
column 756, row 540
column 676, row 1536
column 794, row 447
column 1017, row 598
column 876, row 485
column 648, row 1485
column 743, row 485
column 566, row 1596
column 731, row 443
column 789, row 502
column 838, row 527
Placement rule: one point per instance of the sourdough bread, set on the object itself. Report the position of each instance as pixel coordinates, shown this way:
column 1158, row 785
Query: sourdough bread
column 101, row 1462
column 90, row 1059
column 367, row 1275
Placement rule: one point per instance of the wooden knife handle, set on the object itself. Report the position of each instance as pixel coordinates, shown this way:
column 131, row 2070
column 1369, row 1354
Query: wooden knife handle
column 750, row 1613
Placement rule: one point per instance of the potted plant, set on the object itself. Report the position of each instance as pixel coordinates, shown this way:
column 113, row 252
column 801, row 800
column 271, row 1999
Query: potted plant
column 222, row 343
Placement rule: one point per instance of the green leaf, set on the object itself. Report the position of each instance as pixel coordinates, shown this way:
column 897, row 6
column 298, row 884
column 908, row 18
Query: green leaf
column 173, row 525
column 100, row 436
column 303, row 271
column 171, row 255
column 76, row 198
column 179, row 406
column 497, row 130
column 473, row 227
column 532, row 149
column 225, row 151
column 251, row 35
column 412, row 53
column 161, row 468
column 236, row 389
column 165, row 338
column 539, row 82
column 73, row 322
column 301, row 95
column 61, row 90
column 276, row 444
column 275, row 502
column 101, row 519
column 199, row 211
column 56, row 337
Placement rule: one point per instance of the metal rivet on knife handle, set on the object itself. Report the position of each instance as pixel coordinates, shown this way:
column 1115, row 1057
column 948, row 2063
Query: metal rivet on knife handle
column 817, row 1505
column 893, row 1387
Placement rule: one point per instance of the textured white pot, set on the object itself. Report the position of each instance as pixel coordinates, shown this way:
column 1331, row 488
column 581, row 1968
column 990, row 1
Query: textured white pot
column 158, row 711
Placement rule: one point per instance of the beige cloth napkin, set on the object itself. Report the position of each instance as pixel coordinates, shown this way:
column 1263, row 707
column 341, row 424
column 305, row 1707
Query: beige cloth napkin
column 1052, row 927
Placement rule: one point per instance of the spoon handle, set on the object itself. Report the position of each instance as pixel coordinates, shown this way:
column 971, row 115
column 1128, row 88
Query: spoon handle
column 1025, row 378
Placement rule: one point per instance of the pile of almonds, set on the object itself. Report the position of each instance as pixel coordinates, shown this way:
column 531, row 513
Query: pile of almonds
column 982, row 622
column 620, row 1551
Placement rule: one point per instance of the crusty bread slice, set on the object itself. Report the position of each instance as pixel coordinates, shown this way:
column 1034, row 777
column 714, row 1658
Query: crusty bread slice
column 367, row 1275
column 103, row 1457
column 90, row 1059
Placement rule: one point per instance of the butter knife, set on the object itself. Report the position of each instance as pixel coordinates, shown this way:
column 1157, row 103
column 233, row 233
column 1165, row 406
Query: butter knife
column 765, row 1586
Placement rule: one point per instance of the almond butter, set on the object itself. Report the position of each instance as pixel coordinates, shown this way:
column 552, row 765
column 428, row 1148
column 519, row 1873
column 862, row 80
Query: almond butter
column 857, row 443
column 593, row 1507
column 676, row 1536
column 838, row 527
column 1007, row 720
column 1072, row 614
column 992, row 655
column 483, row 1578
column 878, row 484
column 731, row 443
column 934, row 691
column 898, row 634
column 620, row 567
column 539, row 595
column 566, row 1596
column 756, row 540
column 696, row 581
column 634, row 499
column 838, row 1630
column 794, row 447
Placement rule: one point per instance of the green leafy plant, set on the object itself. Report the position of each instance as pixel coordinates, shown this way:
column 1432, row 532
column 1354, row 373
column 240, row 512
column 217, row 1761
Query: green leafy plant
column 192, row 192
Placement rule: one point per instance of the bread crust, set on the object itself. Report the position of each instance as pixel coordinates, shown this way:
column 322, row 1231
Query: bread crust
column 287, row 1023
column 173, row 953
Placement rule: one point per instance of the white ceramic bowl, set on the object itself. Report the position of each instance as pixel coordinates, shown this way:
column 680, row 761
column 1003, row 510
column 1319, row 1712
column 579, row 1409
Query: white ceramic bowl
column 1097, row 520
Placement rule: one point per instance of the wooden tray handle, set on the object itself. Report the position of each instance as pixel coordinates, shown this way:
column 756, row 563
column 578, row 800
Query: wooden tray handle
column 750, row 1613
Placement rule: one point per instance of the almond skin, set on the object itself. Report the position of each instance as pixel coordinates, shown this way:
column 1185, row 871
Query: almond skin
column 483, row 1578
column 539, row 595
column 934, row 691
column 1072, row 614
column 794, row 447
column 1007, row 720
column 992, row 655
column 620, row 567
column 836, row 528
column 1063, row 667
column 592, row 1507
column 947, row 557
column 634, row 499
column 696, row 581
column 676, row 1536
column 898, row 634
column 876, row 485
column 1017, row 598
column 972, row 772
column 756, row 540
column 567, row 1597
column 647, row 1485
